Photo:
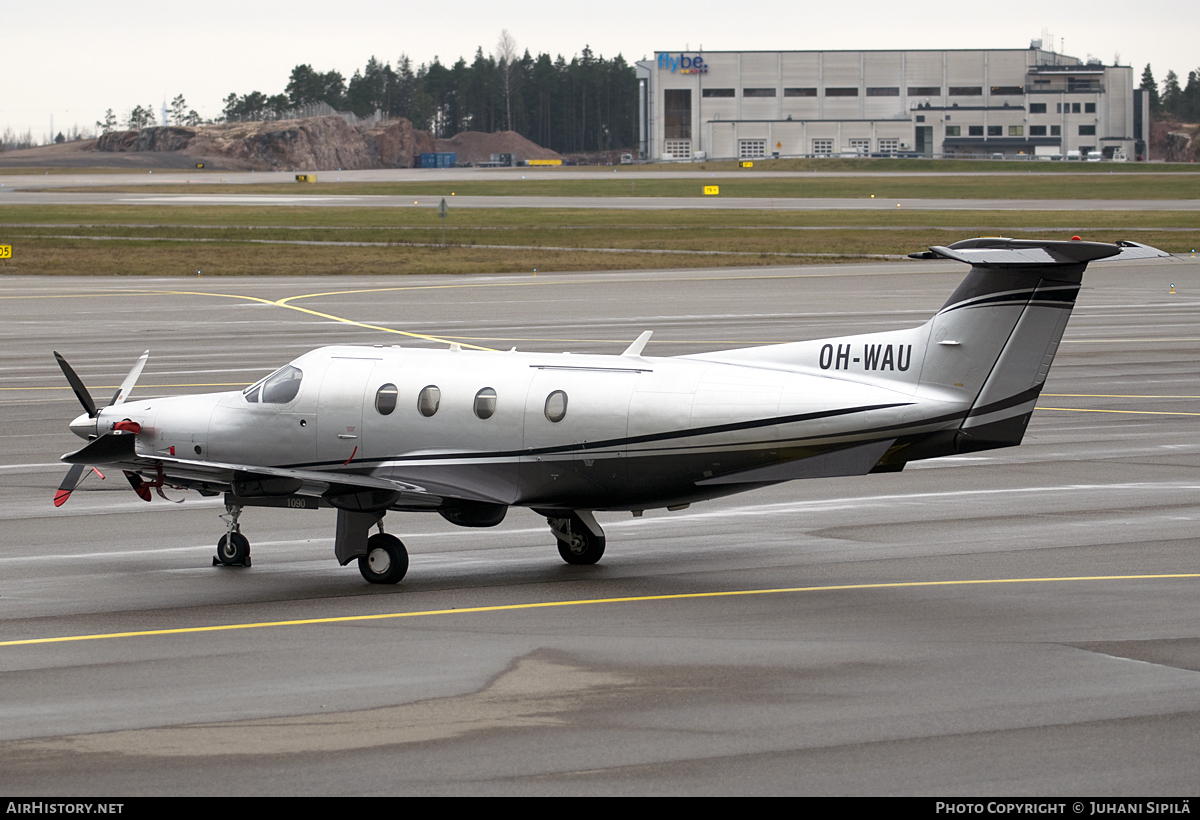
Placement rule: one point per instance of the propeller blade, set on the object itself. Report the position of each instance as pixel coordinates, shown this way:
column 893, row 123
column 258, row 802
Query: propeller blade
column 73, row 479
column 81, row 392
column 130, row 380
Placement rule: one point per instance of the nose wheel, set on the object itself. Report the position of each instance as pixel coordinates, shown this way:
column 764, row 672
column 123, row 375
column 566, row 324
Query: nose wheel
column 233, row 550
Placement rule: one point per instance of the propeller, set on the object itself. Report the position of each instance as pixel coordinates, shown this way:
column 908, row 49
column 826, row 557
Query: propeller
column 79, row 472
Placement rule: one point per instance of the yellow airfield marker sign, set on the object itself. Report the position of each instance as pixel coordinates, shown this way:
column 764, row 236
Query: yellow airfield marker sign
column 712, row 190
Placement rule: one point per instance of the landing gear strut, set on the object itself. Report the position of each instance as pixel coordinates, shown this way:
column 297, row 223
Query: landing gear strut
column 233, row 550
column 580, row 539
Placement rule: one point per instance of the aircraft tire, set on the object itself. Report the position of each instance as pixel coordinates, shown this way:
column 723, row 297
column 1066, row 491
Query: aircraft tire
column 386, row 561
column 584, row 547
column 235, row 551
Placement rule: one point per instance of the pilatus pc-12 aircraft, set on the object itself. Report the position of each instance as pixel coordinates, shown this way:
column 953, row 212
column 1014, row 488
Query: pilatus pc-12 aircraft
column 468, row 434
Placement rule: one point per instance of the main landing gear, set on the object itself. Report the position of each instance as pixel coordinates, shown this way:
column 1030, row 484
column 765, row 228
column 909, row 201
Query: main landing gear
column 580, row 539
column 386, row 560
column 233, row 550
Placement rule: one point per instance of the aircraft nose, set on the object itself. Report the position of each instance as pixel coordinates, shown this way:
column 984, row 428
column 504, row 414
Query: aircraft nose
column 84, row 426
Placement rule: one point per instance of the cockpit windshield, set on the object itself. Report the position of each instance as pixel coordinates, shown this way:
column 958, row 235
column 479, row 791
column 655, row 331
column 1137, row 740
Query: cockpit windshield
column 278, row 388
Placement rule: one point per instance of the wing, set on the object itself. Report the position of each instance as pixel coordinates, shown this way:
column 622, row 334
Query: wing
column 344, row 490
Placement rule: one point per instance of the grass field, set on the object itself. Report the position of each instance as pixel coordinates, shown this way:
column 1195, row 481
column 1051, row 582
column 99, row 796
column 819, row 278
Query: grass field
column 1030, row 186
column 229, row 240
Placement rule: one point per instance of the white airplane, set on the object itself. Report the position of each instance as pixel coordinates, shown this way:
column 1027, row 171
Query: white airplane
column 468, row 434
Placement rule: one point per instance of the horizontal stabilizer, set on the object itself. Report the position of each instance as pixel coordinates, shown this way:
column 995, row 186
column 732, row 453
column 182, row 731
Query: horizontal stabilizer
column 1000, row 252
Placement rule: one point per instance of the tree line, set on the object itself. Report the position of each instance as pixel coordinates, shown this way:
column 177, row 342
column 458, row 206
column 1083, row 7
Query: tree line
column 1182, row 103
column 587, row 104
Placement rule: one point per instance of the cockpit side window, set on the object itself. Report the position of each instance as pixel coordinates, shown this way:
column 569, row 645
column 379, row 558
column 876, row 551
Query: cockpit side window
column 278, row 388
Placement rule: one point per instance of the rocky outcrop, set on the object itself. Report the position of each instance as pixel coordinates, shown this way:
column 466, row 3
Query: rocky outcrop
column 314, row 144
column 166, row 138
column 397, row 143
column 318, row 144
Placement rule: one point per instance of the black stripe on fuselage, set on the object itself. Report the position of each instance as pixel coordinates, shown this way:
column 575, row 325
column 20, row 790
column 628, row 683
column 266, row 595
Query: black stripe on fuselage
column 576, row 447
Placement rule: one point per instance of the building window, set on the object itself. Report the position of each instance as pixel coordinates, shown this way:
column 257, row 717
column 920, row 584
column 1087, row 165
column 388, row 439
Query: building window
column 1037, row 108
column 883, row 92
column 799, row 92
column 1075, row 108
column 428, row 400
column 677, row 149
column 1056, row 130
column 862, row 147
column 1016, row 130
column 758, row 92
column 752, row 149
column 841, row 92
column 385, row 399
column 966, row 91
column 1037, row 130
column 556, row 406
column 920, row 118
column 953, row 130
column 1089, row 108
column 888, row 145
column 975, row 130
column 677, row 107
column 718, row 92
column 1087, row 130
column 822, row 148
column 1007, row 90
column 485, row 403
column 995, row 130
column 924, row 91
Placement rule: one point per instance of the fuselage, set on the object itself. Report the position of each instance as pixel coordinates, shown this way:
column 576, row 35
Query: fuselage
column 532, row 429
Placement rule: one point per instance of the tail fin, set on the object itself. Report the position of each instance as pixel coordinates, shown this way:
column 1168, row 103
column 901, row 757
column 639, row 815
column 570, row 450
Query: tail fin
column 981, row 361
column 993, row 341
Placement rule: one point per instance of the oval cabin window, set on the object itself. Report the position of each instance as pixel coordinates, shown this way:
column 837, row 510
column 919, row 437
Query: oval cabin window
column 429, row 400
column 485, row 403
column 556, row 406
column 385, row 399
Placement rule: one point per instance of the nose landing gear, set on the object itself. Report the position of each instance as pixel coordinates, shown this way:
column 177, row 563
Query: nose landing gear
column 233, row 550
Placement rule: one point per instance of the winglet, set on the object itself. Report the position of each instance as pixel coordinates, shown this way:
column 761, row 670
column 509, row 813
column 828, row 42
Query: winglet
column 639, row 344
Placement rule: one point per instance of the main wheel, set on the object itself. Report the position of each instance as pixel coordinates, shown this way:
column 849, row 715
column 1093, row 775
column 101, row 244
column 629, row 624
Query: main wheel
column 386, row 560
column 233, row 552
column 583, row 547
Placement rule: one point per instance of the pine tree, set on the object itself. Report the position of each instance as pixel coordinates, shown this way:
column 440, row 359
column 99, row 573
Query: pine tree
column 1151, row 87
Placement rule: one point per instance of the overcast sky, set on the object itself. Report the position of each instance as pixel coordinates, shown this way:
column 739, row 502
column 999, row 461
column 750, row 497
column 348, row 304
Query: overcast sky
column 73, row 59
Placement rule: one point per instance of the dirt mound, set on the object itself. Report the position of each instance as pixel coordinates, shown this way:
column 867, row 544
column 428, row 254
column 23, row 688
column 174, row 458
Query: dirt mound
column 476, row 146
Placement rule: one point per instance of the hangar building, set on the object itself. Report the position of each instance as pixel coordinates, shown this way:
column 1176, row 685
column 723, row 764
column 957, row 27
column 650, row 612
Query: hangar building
column 749, row 104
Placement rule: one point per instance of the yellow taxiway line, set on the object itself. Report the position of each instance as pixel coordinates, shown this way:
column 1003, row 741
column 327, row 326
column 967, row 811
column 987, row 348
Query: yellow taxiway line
column 587, row 602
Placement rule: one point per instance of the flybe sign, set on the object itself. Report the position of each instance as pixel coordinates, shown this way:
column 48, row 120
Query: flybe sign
column 682, row 64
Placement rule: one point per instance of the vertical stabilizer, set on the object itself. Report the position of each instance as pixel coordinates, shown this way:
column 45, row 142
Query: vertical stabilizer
column 993, row 341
